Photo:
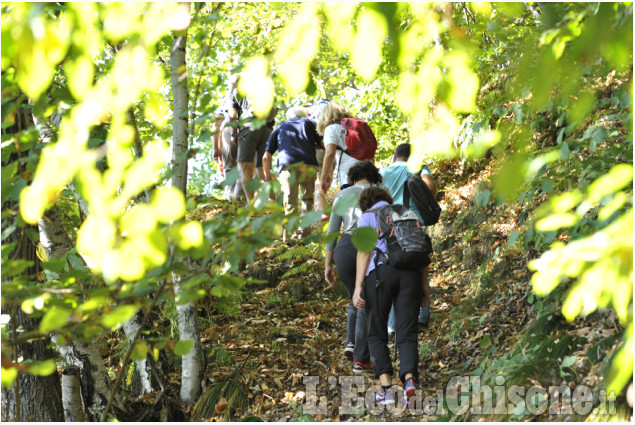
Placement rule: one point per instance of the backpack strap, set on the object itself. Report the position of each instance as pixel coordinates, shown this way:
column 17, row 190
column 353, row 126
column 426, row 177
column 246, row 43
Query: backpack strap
column 406, row 194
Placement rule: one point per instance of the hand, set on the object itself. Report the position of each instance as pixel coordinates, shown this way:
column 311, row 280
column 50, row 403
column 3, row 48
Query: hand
column 358, row 301
column 330, row 275
column 426, row 301
column 325, row 184
column 216, row 155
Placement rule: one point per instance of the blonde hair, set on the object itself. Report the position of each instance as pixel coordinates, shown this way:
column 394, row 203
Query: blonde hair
column 331, row 114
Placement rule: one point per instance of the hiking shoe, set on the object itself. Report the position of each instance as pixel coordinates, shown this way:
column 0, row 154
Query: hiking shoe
column 385, row 397
column 348, row 351
column 360, row 367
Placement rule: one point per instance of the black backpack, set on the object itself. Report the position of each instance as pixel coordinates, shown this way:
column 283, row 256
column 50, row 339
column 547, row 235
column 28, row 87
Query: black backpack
column 407, row 244
column 416, row 189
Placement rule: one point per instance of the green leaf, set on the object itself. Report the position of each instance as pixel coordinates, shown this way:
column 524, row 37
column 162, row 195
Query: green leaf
column 547, row 185
column 485, row 342
column 513, row 236
column 482, row 199
column 183, row 347
column 310, row 218
column 56, row 266
column 343, row 204
column 118, row 316
column 364, row 239
column 564, row 151
column 54, row 319
column 139, row 350
column 43, row 368
column 569, row 361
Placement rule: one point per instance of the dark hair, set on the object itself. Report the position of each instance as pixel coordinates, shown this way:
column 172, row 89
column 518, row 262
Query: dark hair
column 402, row 151
column 364, row 170
column 371, row 195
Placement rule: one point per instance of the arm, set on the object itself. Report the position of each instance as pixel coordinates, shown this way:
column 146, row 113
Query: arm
column 266, row 165
column 429, row 181
column 363, row 258
column 329, row 272
column 218, row 143
column 335, row 222
column 326, row 176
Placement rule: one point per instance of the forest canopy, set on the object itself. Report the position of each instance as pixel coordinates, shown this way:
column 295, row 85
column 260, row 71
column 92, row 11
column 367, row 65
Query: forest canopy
column 99, row 193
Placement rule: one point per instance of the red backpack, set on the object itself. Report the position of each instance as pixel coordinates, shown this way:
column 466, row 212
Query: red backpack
column 360, row 141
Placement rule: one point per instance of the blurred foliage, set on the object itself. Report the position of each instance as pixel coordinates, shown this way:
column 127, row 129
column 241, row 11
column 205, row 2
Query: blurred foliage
column 468, row 79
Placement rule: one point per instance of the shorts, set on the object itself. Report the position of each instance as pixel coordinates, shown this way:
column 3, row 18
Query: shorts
column 252, row 144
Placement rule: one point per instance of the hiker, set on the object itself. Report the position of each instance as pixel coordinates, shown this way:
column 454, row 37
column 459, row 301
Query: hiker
column 328, row 125
column 251, row 143
column 320, row 195
column 379, row 285
column 295, row 139
column 395, row 176
column 225, row 140
column 361, row 175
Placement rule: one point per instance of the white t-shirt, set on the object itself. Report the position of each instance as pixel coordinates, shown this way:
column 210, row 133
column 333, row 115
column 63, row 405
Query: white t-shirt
column 335, row 134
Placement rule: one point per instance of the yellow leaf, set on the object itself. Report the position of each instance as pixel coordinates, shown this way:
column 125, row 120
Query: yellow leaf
column 168, row 204
column 366, row 49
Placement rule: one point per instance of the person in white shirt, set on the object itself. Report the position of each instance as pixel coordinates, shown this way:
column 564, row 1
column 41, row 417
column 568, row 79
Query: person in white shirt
column 328, row 125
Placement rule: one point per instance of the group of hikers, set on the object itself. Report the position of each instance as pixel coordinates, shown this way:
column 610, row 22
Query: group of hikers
column 388, row 287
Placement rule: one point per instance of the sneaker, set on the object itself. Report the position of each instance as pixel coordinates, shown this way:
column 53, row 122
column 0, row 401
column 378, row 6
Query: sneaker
column 385, row 397
column 348, row 351
column 409, row 389
column 360, row 367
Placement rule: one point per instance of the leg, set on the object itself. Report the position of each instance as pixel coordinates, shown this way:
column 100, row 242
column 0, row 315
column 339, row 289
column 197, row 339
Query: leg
column 308, row 187
column 378, row 302
column 247, row 142
column 246, row 172
column 345, row 256
column 289, row 184
column 407, row 303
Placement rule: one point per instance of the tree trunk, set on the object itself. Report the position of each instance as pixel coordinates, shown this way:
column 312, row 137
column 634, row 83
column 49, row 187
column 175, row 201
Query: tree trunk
column 141, row 383
column 40, row 397
column 179, row 109
column 72, row 395
column 187, row 315
column 95, row 382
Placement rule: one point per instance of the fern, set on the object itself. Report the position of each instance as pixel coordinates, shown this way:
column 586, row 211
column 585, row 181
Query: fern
column 300, row 251
column 296, row 270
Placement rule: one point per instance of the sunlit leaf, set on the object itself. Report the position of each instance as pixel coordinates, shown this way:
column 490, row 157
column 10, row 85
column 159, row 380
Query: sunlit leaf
column 190, row 235
column 8, row 376
column 54, row 319
column 557, row 221
column 115, row 318
column 43, row 368
column 367, row 44
column 139, row 350
column 168, row 204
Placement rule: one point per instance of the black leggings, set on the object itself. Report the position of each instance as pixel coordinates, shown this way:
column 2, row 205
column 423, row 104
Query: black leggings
column 403, row 287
